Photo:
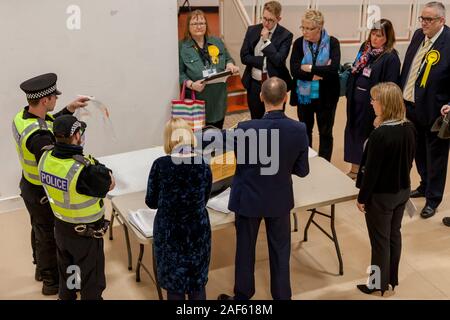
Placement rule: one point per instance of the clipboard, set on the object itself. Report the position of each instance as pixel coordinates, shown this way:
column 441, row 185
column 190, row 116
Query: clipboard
column 217, row 77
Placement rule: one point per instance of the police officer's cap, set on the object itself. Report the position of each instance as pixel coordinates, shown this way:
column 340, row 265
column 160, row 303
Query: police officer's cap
column 67, row 125
column 40, row 86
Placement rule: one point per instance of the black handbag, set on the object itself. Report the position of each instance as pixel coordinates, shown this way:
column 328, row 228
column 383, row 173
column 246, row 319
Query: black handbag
column 441, row 126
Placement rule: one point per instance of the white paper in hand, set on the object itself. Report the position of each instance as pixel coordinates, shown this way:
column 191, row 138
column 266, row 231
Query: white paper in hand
column 220, row 202
column 410, row 208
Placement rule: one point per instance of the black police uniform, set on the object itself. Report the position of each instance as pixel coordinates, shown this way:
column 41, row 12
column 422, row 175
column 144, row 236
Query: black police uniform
column 36, row 202
column 82, row 250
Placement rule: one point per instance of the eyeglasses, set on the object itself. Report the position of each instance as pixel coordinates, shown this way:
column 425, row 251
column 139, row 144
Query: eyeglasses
column 198, row 24
column 307, row 29
column 268, row 20
column 428, row 19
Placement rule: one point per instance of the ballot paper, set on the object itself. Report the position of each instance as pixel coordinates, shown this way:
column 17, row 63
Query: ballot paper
column 99, row 110
column 219, row 77
column 142, row 220
column 410, row 208
column 220, row 202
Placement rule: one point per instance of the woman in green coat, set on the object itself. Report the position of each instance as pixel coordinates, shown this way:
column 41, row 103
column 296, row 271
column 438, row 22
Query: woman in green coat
column 201, row 55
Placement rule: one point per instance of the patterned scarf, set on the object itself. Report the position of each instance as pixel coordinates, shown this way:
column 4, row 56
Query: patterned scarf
column 307, row 90
column 365, row 56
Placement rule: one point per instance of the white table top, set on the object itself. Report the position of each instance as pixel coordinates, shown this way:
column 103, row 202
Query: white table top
column 325, row 185
column 131, row 169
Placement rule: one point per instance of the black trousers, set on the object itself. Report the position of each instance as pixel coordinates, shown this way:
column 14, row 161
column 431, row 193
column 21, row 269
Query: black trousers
column 218, row 124
column 431, row 160
column 84, row 254
column 384, row 214
column 254, row 102
column 279, row 240
column 197, row 295
column 325, row 121
column 42, row 231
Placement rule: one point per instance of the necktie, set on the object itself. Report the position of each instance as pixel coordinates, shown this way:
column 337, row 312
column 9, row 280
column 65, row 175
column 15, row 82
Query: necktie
column 408, row 92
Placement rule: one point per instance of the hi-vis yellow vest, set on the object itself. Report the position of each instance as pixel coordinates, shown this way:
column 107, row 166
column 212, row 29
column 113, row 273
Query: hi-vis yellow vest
column 59, row 178
column 22, row 129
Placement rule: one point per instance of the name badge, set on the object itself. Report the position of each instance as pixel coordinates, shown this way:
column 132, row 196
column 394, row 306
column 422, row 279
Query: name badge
column 208, row 72
column 367, row 72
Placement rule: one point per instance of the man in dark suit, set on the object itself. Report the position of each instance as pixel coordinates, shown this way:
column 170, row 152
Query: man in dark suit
column 425, row 80
column 263, row 189
column 264, row 52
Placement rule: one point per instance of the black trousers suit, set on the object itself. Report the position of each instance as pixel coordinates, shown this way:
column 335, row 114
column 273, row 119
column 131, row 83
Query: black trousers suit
column 278, row 231
column 384, row 214
column 431, row 160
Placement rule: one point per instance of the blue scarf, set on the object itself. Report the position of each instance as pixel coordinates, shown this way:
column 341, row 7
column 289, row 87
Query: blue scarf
column 308, row 90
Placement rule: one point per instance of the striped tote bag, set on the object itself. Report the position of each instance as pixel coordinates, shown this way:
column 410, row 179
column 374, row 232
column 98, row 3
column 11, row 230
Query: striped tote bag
column 191, row 110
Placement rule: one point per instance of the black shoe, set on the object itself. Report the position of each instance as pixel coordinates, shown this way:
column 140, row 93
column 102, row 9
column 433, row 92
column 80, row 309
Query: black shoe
column 224, row 296
column 446, row 221
column 416, row 194
column 37, row 275
column 50, row 290
column 365, row 289
column 427, row 212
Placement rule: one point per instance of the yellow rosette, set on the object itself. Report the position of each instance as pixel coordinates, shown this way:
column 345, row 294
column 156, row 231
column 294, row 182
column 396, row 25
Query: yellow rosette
column 431, row 58
column 214, row 54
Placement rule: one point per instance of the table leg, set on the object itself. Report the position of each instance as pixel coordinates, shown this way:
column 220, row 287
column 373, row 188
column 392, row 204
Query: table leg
column 127, row 239
column 336, row 243
column 311, row 217
column 113, row 215
column 158, row 288
column 295, row 221
column 139, row 262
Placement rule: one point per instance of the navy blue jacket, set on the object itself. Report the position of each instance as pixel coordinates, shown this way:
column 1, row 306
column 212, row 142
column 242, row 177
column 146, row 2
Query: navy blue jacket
column 436, row 93
column 276, row 53
column 257, row 195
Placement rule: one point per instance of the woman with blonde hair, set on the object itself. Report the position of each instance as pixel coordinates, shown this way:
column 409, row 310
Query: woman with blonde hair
column 315, row 62
column 384, row 183
column 179, row 185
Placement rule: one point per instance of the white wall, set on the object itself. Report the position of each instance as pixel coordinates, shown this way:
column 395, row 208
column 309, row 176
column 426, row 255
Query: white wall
column 125, row 54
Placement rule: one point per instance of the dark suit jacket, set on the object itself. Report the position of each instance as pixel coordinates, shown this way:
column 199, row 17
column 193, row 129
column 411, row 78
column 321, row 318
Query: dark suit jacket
column 276, row 53
column 386, row 68
column 256, row 195
column 329, row 86
column 436, row 93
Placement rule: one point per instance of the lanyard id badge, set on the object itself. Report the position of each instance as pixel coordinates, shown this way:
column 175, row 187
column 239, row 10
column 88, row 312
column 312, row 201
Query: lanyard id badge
column 208, row 72
column 367, row 71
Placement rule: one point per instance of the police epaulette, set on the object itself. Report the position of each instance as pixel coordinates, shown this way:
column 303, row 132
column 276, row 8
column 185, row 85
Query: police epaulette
column 48, row 148
column 79, row 158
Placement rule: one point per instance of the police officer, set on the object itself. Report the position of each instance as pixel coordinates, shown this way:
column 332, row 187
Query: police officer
column 32, row 130
column 75, row 187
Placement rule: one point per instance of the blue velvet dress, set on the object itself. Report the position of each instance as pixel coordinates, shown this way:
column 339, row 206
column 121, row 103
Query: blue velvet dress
column 181, row 232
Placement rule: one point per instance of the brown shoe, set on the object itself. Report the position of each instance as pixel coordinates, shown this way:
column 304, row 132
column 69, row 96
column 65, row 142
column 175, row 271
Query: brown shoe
column 352, row 175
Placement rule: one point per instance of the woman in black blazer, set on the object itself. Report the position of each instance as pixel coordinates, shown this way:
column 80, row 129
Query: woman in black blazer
column 385, row 184
column 315, row 62
column 377, row 61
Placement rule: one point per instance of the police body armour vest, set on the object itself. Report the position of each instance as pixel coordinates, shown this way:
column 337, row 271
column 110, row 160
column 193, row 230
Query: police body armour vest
column 22, row 129
column 59, row 178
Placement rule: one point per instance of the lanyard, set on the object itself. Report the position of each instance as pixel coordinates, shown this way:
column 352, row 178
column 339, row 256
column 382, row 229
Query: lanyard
column 203, row 52
column 314, row 53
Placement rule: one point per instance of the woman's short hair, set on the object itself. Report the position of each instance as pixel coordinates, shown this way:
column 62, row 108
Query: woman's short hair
column 177, row 132
column 315, row 16
column 190, row 16
column 390, row 96
column 274, row 7
column 387, row 30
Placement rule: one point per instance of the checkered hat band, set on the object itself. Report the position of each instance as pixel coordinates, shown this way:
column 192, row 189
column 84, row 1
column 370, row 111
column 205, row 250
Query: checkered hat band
column 41, row 94
column 75, row 126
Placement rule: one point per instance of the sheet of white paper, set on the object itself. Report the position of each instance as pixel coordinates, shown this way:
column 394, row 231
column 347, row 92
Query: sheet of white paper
column 142, row 219
column 220, row 202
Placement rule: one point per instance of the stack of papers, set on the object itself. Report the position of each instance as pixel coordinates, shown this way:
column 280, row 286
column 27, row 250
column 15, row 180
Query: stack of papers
column 220, row 202
column 142, row 220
